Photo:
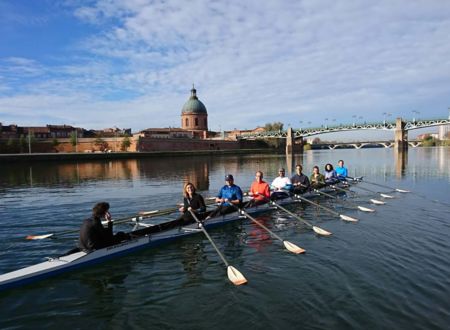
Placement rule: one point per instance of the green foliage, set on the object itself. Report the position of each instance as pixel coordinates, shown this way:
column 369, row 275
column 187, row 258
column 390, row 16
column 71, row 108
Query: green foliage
column 73, row 138
column 126, row 143
column 428, row 142
column 101, row 144
column 55, row 142
column 275, row 126
column 306, row 146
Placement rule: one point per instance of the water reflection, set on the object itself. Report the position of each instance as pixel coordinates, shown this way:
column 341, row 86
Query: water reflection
column 401, row 162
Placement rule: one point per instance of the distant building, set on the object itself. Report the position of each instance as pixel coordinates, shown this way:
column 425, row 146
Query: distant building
column 194, row 116
column 427, row 135
column 167, row 133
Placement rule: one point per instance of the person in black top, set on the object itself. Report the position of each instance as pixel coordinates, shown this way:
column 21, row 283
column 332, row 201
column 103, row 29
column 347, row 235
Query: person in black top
column 191, row 201
column 300, row 181
column 93, row 235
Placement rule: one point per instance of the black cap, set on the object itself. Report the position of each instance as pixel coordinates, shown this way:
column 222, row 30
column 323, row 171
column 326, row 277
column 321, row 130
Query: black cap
column 229, row 177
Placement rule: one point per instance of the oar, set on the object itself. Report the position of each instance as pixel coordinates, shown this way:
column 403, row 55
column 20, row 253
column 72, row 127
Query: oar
column 362, row 208
column 374, row 201
column 116, row 221
column 316, row 229
column 342, row 216
column 380, row 185
column 155, row 213
column 288, row 245
column 234, row 275
column 407, row 191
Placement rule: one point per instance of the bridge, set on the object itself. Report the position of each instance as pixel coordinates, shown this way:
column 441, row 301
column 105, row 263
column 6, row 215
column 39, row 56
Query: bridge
column 359, row 145
column 399, row 127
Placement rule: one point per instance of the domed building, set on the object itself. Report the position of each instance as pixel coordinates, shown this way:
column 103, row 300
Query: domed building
column 194, row 116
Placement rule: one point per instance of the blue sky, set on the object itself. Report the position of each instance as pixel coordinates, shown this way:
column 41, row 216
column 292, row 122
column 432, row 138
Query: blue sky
column 104, row 63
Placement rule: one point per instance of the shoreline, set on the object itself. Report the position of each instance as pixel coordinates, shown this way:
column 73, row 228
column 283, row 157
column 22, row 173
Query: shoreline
column 125, row 155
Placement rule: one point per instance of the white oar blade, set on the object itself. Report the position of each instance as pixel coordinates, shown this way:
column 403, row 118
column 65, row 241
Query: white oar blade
column 31, row 237
column 235, row 276
column 347, row 218
column 386, row 196
column 148, row 212
column 293, row 248
column 320, row 231
column 402, row 190
column 365, row 209
column 378, row 202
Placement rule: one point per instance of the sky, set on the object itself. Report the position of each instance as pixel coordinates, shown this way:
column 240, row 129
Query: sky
column 131, row 64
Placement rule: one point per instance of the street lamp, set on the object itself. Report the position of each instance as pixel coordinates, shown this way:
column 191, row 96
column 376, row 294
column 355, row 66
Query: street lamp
column 354, row 118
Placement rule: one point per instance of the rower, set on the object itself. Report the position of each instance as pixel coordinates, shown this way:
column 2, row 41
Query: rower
column 300, row 181
column 330, row 174
column 341, row 171
column 281, row 186
column 191, row 202
column 230, row 196
column 259, row 190
column 93, row 235
column 317, row 179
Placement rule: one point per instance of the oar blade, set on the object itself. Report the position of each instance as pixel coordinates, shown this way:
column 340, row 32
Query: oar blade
column 402, row 190
column 36, row 237
column 148, row 212
column 347, row 218
column 293, row 248
column 386, row 196
column 365, row 209
column 320, row 231
column 377, row 202
column 235, row 276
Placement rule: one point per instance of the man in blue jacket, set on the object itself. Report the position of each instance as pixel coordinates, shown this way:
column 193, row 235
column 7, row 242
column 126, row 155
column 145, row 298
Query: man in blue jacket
column 229, row 197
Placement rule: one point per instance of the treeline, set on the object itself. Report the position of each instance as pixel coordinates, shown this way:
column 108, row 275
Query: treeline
column 275, row 126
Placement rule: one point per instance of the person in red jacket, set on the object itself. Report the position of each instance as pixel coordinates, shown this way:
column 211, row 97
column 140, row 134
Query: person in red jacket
column 259, row 190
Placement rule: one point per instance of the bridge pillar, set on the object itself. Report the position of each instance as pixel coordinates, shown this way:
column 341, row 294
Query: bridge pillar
column 401, row 135
column 289, row 141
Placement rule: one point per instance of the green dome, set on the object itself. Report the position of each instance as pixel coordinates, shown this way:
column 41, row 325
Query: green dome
column 194, row 105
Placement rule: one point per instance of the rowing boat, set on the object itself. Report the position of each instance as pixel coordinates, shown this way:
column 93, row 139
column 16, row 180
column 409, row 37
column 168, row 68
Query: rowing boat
column 149, row 236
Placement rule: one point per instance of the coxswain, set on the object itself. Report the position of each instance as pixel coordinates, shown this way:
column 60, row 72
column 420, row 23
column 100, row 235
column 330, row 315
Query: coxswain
column 93, row 235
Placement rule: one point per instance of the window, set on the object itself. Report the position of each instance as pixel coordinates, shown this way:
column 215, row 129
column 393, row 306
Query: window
column 187, row 122
column 196, row 121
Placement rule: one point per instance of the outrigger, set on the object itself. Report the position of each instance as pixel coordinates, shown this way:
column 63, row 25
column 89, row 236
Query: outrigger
column 149, row 236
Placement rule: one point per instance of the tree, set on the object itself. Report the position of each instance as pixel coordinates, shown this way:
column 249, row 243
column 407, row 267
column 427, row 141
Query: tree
column 275, row 126
column 101, row 144
column 11, row 145
column 126, row 143
column 73, row 139
column 22, row 143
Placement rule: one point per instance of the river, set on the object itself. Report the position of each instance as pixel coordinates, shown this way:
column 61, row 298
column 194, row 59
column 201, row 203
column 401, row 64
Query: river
column 390, row 270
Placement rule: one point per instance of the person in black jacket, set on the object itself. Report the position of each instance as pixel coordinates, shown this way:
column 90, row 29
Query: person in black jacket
column 93, row 235
column 300, row 181
column 191, row 201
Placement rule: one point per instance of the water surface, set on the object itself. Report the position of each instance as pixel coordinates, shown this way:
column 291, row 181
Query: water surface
column 388, row 271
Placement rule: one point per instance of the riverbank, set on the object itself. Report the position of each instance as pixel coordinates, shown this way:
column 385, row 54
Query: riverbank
column 125, row 155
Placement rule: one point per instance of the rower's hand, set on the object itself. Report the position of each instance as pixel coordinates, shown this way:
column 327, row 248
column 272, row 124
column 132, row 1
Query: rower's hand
column 108, row 216
column 190, row 208
column 181, row 209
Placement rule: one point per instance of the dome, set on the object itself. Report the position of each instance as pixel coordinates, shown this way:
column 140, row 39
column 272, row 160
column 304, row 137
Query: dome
column 193, row 105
